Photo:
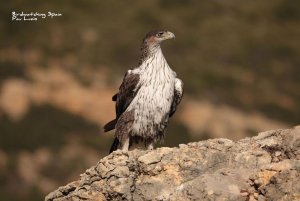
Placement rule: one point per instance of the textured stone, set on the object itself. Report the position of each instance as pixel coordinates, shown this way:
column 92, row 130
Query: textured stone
column 265, row 167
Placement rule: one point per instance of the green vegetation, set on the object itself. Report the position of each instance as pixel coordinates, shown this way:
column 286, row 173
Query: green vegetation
column 43, row 126
column 11, row 70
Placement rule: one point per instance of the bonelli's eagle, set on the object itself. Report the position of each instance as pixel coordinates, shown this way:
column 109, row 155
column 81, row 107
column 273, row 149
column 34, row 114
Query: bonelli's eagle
column 147, row 97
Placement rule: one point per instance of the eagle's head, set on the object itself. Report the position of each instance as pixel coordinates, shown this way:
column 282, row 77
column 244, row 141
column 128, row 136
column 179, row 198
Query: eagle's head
column 151, row 43
column 157, row 36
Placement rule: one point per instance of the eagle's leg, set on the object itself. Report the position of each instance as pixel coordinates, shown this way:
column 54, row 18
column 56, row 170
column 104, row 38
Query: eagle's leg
column 125, row 145
column 150, row 146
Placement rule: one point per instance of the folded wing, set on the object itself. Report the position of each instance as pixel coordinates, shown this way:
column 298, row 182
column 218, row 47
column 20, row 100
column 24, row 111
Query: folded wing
column 178, row 93
column 124, row 97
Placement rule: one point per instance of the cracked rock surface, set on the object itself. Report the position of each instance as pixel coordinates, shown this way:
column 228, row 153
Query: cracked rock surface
column 265, row 167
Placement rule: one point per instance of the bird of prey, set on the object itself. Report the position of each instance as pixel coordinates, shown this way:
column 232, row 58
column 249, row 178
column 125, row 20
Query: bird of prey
column 147, row 97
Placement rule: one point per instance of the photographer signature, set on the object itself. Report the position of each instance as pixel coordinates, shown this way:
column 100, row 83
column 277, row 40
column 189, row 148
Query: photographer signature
column 33, row 16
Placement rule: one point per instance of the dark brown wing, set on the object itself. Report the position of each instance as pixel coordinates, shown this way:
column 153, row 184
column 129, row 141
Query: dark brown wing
column 123, row 98
column 178, row 93
column 127, row 92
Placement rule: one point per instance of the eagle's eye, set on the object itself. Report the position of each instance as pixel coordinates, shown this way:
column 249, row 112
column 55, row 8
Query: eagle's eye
column 159, row 34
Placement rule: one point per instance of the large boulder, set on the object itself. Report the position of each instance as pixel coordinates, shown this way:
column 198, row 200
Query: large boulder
column 264, row 167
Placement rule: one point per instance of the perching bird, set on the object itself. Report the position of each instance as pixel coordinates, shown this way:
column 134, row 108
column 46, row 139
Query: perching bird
column 147, row 98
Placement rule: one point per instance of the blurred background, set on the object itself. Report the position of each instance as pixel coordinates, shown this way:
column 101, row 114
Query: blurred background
column 239, row 61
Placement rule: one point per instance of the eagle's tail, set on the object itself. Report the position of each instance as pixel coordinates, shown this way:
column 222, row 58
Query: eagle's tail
column 110, row 125
column 115, row 145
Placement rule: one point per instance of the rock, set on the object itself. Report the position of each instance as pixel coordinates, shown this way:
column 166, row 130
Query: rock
column 265, row 167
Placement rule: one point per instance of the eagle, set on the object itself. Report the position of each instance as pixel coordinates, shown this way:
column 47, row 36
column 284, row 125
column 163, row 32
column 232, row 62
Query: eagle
column 147, row 97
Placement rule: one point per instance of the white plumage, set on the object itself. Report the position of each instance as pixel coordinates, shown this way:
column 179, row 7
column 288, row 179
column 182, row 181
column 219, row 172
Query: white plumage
column 147, row 98
column 153, row 101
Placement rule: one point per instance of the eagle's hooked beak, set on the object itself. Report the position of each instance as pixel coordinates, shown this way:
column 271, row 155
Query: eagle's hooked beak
column 169, row 35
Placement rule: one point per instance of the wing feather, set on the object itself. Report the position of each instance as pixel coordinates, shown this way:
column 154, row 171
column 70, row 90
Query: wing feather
column 124, row 97
column 178, row 93
column 127, row 92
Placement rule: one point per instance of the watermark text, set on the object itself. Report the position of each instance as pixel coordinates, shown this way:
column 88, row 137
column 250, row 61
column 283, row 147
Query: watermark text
column 32, row 16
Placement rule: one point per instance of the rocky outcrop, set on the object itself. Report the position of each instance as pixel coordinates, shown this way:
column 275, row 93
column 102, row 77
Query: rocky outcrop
column 265, row 167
